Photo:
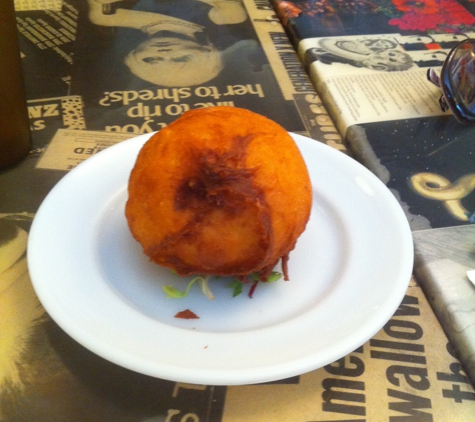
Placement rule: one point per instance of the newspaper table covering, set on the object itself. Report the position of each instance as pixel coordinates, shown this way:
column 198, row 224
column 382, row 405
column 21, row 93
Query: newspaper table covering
column 368, row 61
column 406, row 372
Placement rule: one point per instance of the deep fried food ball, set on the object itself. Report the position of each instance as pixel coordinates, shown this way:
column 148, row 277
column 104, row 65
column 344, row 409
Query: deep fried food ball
column 220, row 191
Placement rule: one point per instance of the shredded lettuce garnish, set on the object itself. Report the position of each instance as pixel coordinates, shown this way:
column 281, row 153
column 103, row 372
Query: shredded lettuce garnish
column 175, row 293
column 236, row 285
column 178, row 294
column 203, row 282
column 274, row 276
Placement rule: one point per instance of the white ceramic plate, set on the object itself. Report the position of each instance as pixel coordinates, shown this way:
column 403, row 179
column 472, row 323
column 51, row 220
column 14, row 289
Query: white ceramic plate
column 348, row 274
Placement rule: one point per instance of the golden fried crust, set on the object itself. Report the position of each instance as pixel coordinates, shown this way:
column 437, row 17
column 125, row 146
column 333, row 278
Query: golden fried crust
column 220, row 191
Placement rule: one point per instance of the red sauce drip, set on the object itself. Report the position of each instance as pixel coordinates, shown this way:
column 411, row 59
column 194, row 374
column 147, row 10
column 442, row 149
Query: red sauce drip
column 186, row 314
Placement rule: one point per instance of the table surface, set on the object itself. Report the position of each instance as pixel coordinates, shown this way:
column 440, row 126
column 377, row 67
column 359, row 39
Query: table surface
column 81, row 101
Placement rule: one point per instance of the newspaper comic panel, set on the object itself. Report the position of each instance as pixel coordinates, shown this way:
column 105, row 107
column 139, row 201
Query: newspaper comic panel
column 138, row 65
column 375, row 78
column 47, row 32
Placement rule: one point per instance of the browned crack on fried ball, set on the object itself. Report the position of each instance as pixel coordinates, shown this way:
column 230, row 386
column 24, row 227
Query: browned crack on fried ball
column 220, row 191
